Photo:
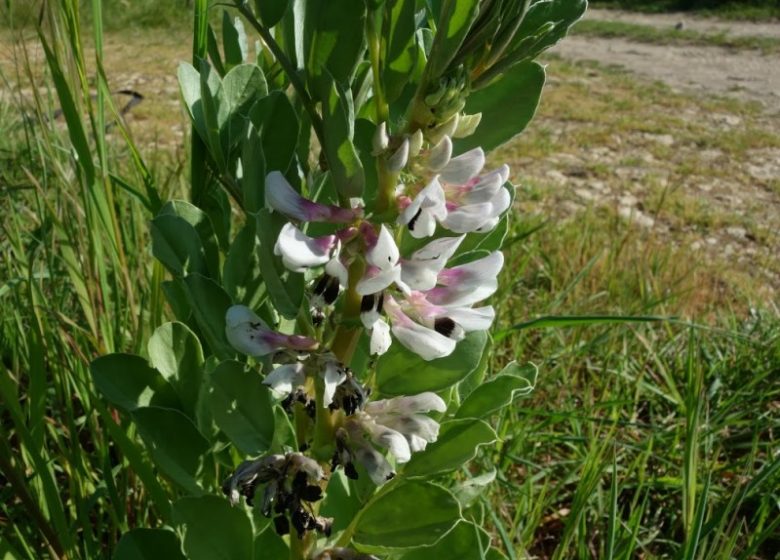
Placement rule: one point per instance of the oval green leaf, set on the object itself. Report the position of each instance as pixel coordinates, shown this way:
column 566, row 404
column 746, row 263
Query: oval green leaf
column 148, row 544
column 412, row 514
column 456, row 445
column 128, row 382
column 242, row 407
column 462, row 542
column 213, row 529
column 175, row 444
column 176, row 353
column 402, row 372
column 513, row 381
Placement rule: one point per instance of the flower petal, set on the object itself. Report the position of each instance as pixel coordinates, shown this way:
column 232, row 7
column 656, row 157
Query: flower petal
column 299, row 251
column 384, row 253
column 380, row 338
column 377, row 467
column 333, row 376
column 422, row 269
column 425, row 342
column 440, row 154
column 248, row 334
column 284, row 379
column 463, row 168
column 392, row 440
column 472, row 319
column 280, row 196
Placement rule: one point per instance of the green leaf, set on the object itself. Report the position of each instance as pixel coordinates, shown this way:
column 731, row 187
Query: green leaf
column 175, row 444
column 411, row 514
column 213, row 529
column 269, row 545
column 271, row 12
column 456, row 445
column 189, row 84
column 462, row 542
column 402, row 372
column 209, row 304
column 454, row 23
column 507, row 106
column 242, row 407
column 242, row 277
column 335, row 45
column 545, row 23
column 253, row 166
column 564, row 321
column 242, row 87
column 513, row 381
column 286, row 295
column 148, row 544
column 176, row 353
column 127, row 381
column 401, row 52
column 233, row 41
column 468, row 490
column 201, row 222
column 277, row 120
column 214, row 111
column 341, row 501
column 338, row 118
column 176, row 244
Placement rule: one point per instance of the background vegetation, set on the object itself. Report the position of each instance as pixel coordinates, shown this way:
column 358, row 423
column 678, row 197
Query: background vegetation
column 642, row 440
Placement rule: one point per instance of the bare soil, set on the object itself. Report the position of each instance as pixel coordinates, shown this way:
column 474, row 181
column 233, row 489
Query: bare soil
column 741, row 74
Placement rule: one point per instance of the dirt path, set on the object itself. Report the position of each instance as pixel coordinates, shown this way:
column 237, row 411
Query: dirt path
column 744, row 74
column 688, row 21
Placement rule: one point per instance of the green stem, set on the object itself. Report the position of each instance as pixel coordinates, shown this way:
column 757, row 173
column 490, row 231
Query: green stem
column 375, row 55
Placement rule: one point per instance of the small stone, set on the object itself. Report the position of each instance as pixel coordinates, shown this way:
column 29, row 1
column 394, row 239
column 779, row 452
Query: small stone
column 737, row 232
column 585, row 194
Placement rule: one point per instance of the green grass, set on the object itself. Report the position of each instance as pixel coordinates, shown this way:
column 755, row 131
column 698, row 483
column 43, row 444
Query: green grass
column 671, row 36
column 640, row 441
column 744, row 10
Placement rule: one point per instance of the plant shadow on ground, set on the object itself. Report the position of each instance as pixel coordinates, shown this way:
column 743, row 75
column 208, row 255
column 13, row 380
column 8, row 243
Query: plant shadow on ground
column 652, row 441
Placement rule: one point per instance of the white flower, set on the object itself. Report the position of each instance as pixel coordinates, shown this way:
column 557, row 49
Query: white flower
column 280, row 196
column 428, row 207
column 459, row 198
column 468, row 283
column 283, row 379
column 398, row 425
column 299, row 251
column 382, row 259
column 249, row 334
column 421, row 270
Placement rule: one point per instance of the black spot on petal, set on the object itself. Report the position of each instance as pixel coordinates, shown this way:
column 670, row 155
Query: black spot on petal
column 367, row 304
column 414, row 219
column 444, row 325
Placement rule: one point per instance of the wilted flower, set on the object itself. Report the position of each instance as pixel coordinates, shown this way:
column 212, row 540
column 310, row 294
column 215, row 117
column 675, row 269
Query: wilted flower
column 398, row 425
column 289, row 480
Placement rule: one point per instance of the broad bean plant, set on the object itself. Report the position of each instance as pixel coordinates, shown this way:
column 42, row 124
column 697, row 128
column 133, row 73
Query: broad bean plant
column 324, row 388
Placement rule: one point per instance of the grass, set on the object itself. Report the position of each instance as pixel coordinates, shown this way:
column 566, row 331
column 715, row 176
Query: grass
column 640, row 441
column 741, row 10
column 672, row 36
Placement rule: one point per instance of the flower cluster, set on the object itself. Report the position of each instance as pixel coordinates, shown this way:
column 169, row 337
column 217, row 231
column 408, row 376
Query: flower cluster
column 422, row 293
column 427, row 305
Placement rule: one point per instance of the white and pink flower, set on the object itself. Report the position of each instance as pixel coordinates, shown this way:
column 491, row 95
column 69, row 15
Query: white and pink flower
column 250, row 335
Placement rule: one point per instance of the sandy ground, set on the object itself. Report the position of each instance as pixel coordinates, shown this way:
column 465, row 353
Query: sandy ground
column 743, row 74
column 688, row 21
